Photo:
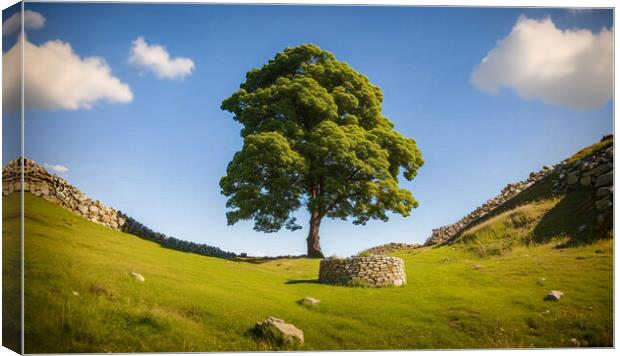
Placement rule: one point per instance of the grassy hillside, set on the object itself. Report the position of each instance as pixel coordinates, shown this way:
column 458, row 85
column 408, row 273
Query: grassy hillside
column 80, row 296
column 563, row 216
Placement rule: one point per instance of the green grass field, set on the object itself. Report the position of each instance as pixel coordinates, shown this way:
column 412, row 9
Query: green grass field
column 80, row 296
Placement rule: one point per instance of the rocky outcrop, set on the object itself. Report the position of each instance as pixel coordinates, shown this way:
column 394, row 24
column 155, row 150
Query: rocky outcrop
column 449, row 232
column 389, row 247
column 39, row 182
column 373, row 271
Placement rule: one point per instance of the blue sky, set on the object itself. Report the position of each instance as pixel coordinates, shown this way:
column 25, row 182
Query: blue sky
column 159, row 156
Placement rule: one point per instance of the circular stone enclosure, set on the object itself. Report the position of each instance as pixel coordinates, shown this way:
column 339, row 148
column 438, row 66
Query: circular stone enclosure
column 372, row 271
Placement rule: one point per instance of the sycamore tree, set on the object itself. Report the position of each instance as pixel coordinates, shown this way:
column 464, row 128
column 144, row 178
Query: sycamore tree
column 314, row 137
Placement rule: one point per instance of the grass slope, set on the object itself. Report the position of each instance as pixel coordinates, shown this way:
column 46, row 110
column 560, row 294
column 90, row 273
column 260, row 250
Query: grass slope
column 597, row 147
column 11, row 274
column 567, row 213
column 196, row 303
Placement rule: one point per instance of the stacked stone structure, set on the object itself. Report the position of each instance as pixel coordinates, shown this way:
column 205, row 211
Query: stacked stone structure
column 39, row 182
column 373, row 271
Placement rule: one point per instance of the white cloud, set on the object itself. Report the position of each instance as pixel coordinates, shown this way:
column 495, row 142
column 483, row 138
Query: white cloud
column 156, row 59
column 55, row 77
column 56, row 168
column 571, row 68
column 32, row 20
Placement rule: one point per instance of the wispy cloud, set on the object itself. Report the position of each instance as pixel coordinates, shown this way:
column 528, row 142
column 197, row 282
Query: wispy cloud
column 156, row 59
column 572, row 68
column 32, row 20
column 56, row 168
column 578, row 10
column 58, row 78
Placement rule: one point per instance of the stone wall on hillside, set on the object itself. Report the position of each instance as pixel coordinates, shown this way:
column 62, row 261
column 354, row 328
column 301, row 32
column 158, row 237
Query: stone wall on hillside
column 595, row 171
column 448, row 232
column 55, row 189
column 389, row 247
column 39, row 182
column 373, row 271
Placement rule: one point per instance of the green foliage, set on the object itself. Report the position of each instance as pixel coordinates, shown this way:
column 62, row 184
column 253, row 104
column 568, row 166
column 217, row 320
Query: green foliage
column 364, row 254
column 314, row 136
column 192, row 303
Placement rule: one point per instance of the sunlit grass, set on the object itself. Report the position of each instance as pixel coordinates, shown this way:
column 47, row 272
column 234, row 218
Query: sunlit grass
column 592, row 149
column 455, row 296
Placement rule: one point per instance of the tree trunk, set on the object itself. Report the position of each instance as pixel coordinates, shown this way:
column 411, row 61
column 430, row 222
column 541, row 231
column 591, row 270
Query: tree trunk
column 314, row 246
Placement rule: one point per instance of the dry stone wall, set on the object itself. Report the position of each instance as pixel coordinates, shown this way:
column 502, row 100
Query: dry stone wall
column 594, row 171
column 39, row 182
column 57, row 190
column 448, row 232
column 373, row 271
column 389, row 247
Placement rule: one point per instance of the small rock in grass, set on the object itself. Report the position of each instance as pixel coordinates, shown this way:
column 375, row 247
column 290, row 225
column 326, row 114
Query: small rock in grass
column 308, row 301
column 554, row 295
column 477, row 266
column 546, row 312
column 279, row 333
column 138, row 276
column 75, row 293
column 542, row 281
column 599, row 251
column 444, row 260
column 575, row 342
column 583, row 228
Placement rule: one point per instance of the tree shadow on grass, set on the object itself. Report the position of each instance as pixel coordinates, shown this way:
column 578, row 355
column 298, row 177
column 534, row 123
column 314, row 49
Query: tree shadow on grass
column 300, row 281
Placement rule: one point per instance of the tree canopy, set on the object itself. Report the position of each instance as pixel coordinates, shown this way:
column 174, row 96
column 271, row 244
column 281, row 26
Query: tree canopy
column 314, row 136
